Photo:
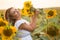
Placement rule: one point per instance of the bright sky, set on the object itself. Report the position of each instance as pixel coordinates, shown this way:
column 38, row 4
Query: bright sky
column 4, row 4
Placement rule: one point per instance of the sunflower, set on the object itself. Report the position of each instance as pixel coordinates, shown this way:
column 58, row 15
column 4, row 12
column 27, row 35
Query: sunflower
column 27, row 4
column 52, row 30
column 8, row 33
column 27, row 12
column 1, row 30
column 3, row 22
column 24, row 12
column 50, row 13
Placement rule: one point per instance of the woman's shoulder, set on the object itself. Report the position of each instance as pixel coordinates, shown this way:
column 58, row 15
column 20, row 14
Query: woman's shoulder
column 25, row 21
column 21, row 21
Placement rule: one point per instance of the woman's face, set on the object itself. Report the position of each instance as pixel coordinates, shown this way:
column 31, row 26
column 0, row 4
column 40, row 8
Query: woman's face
column 14, row 13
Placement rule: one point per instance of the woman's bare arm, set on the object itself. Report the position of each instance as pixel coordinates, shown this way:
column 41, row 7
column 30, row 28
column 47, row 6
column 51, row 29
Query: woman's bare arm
column 32, row 25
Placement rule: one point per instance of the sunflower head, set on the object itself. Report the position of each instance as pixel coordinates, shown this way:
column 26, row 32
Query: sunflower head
column 52, row 30
column 27, row 4
column 50, row 13
column 9, row 31
column 3, row 22
column 28, row 9
column 24, row 12
column 27, row 12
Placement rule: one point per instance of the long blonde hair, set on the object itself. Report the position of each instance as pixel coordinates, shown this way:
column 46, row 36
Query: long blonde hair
column 7, row 16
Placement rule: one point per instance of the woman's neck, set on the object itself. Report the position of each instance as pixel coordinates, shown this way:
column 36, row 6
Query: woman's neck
column 17, row 19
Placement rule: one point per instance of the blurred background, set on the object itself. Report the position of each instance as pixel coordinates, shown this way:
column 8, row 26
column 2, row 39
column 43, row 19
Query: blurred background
column 48, row 20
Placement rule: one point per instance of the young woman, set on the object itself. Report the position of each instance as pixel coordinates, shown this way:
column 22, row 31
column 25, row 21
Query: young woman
column 24, row 27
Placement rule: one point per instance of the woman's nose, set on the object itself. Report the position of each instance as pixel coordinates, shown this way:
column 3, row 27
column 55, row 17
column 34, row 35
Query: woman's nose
column 16, row 13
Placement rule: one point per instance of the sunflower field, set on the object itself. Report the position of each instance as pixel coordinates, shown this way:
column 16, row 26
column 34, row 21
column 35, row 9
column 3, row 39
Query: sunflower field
column 47, row 24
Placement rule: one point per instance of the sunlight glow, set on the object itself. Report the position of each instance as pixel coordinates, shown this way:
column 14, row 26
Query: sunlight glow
column 4, row 4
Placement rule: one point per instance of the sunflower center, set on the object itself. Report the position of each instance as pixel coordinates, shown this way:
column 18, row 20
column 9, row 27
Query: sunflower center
column 50, row 13
column 7, row 32
column 2, row 23
column 52, row 31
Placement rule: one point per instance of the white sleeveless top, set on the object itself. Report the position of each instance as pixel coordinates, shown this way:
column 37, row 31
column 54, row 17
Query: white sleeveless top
column 21, row 33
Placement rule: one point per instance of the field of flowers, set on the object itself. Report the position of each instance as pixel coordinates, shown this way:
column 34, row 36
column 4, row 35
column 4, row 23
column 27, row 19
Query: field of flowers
column 47, row 24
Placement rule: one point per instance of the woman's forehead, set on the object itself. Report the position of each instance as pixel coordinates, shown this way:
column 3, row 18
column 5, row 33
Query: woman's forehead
column 13, row 9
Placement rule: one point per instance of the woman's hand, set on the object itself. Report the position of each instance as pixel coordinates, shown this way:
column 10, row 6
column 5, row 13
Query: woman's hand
column 33, row 19
column 36, row 12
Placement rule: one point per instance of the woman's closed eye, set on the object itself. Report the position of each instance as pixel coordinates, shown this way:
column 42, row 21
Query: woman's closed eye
column 13, row 10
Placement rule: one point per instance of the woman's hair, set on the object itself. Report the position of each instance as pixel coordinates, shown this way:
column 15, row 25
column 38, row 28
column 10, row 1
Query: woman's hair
column 7, row 16
column 7, row 13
